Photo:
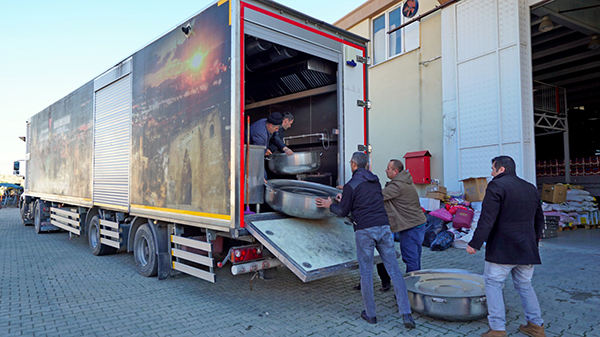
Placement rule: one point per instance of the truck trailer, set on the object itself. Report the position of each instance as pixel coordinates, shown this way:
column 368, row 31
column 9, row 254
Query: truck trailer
column 151, row 156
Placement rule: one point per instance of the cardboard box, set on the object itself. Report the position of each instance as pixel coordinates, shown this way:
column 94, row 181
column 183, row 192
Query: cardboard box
column 436, row 188
column 429, row 204
column 475, row 188
column 435, row 195
column 556, row 194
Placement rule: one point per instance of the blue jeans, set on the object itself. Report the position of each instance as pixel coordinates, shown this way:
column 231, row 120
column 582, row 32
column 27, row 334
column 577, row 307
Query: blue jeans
column 494, row 275
column 411, row 241
column 367, row 240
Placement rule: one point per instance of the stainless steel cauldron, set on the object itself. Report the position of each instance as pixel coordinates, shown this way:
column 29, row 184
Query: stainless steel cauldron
column 297, row 198
column 299, row 162
column 449, row 294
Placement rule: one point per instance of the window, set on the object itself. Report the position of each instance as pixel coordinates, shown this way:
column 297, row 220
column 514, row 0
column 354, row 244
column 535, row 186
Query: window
column 386, row 46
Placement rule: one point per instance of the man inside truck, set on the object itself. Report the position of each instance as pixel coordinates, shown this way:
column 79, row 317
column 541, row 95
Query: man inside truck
column 262, row 130
column 277, row 139
column 363, row 197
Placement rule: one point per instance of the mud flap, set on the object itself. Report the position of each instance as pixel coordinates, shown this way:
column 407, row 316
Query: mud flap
column 162, row 244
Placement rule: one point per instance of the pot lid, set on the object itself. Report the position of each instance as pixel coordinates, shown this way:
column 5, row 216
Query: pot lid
column 445, row 283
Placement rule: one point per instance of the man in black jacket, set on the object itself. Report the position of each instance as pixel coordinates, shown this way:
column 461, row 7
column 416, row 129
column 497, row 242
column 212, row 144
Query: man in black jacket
column 511, row 223
column 362, row 196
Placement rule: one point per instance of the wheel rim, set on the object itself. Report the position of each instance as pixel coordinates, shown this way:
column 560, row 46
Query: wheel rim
column 94, row 235
column 143, row 251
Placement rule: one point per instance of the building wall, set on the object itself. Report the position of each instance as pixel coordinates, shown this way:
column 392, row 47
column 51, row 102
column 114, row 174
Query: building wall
column 406, row 97
column 487, row 88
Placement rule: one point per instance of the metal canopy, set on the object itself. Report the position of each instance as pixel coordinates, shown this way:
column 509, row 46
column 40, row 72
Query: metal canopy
column 311, row 249
column 561, row 56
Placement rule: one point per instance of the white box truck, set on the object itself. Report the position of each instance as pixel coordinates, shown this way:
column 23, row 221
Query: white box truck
column 150, row 156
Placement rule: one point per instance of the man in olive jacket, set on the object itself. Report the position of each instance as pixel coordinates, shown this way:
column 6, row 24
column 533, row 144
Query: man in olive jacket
column 511, row 223
column 407, row 220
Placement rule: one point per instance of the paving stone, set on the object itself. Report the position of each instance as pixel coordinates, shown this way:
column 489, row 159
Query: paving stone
column 54, row 286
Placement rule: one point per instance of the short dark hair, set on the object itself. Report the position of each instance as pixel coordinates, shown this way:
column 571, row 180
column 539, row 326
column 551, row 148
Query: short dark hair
column 360, row 159
column 504, row 161
column 397, row 164
column 288, row 116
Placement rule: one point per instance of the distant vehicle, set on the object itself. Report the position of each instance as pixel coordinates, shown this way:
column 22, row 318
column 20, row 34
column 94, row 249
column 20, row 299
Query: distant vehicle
column 11, row 193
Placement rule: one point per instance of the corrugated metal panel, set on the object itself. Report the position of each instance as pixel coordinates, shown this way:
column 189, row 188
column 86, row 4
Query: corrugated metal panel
column 487, row 88
column 111, row 143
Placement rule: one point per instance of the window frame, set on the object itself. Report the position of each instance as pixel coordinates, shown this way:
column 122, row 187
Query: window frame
column 386, row 15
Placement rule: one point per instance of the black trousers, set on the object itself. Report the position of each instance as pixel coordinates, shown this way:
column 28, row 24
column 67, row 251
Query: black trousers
column 385, row 277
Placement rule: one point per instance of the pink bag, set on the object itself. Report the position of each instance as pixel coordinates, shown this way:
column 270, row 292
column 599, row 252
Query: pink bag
column 442, row 214
column 463, row 218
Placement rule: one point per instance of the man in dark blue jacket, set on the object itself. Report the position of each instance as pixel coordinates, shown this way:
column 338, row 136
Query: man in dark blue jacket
column 262, row 130
column 277, row 142
column 511, row 223
column 362, row 196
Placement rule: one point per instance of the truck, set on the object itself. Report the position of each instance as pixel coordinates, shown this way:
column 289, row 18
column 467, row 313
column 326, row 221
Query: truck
column 151, row 156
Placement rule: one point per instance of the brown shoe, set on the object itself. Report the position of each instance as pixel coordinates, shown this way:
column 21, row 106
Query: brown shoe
column 533, row 330
column 494, row 333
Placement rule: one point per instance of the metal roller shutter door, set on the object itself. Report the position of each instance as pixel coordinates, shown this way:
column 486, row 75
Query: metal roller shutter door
column 112, row 144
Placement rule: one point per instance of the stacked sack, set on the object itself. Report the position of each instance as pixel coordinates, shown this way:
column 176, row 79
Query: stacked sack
column 580, row 208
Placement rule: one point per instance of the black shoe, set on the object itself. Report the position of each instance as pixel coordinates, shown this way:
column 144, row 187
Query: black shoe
column 356, row 287
column 409, row 322
column 385, row 288
column 370, row 320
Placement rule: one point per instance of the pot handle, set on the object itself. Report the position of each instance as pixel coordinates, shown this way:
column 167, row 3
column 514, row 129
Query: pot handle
column 438, row 300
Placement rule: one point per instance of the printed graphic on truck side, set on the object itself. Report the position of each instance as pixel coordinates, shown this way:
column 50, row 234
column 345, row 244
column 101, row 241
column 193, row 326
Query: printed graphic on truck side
column 181, row 118
column 61, row 146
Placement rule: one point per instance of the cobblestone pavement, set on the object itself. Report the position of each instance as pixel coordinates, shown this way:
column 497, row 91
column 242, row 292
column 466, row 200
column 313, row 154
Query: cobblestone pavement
column 52, row 285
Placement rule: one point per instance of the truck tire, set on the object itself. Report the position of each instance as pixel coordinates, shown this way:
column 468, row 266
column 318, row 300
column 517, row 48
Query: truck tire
column 144, row 252
column 22, row 207
column 96, row 247
column 37, row 215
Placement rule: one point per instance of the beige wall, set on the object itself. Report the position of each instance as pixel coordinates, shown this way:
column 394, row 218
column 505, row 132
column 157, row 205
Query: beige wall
column 406, row 113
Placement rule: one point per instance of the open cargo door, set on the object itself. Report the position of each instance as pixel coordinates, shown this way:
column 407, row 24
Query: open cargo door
column 311, row 249
column 354, row 128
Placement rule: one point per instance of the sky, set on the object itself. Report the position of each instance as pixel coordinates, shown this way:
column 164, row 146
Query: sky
column 50, row 48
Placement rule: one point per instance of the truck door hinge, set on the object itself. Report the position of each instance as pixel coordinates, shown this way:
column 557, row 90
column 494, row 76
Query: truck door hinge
column 365, row 148
column 365, row 60
column 363, row 104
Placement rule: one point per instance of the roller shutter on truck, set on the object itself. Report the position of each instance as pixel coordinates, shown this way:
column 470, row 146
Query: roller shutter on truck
column 112, row 123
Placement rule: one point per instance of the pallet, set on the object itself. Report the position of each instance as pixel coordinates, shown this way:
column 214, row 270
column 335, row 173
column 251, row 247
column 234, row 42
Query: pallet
column 574, row 227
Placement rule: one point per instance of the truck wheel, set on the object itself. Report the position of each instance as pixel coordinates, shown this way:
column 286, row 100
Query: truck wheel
column 23, row 206
column 144, row 252
column 37, row 211
column 96, row 247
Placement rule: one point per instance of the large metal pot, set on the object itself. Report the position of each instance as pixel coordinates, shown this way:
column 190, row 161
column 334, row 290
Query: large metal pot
column 298, row 198
column 299, row 162
column 449, row 294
